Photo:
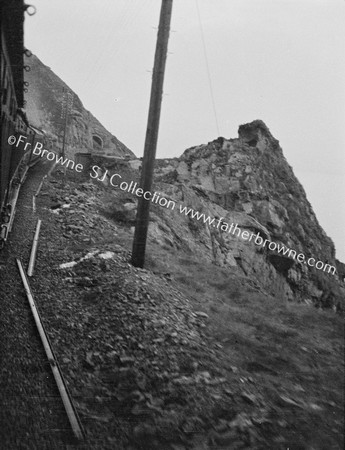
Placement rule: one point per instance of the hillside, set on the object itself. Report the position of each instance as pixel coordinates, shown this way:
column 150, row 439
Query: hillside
column 219, row 342
column 246, row 182
column 182, row 355
column 45, row 99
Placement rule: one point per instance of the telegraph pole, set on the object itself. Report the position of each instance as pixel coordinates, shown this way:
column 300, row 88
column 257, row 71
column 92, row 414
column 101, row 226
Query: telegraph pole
column 142, row 219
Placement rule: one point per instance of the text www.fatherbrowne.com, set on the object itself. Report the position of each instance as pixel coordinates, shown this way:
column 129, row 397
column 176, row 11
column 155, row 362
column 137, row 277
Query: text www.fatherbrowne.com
column 234, row 229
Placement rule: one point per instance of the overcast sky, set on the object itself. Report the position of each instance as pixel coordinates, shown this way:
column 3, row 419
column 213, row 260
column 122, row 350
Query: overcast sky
column 282, row 61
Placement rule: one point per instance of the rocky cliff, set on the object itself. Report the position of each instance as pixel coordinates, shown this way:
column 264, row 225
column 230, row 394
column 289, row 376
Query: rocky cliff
column 45, row 102
column 247, row 181
column 244, row 181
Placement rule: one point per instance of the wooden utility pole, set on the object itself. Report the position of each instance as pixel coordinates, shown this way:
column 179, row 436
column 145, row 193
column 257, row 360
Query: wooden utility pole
column 142, row 219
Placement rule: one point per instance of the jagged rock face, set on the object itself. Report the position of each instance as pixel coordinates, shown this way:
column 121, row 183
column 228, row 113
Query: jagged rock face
column 246, row 181
column 170, row 228
column 85, row 134
column 249, row 182
column 341, row 270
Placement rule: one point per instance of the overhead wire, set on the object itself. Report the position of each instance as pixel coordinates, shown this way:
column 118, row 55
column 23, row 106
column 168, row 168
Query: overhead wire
column 125, row 19
column 105, row 45
column 207, row 68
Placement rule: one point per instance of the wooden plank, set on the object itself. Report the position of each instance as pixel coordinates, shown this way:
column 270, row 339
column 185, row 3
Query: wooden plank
column 24, row 175
column 14, row 206
column 34, row 249
column 34, row 204
column 40, row 186
column 66, row 398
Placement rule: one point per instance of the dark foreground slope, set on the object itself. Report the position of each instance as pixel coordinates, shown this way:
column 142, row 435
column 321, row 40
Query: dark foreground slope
column 31, row 414
column 184, row 354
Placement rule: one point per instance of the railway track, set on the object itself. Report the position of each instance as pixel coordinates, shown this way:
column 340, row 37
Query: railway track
column 60, row 382
column 32, row 413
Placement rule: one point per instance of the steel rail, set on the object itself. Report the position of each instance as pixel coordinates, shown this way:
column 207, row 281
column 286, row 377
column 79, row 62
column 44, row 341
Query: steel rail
column 65, row 396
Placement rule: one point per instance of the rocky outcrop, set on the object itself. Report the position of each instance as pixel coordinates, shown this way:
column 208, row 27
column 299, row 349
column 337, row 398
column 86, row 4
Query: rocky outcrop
column 44, row 105
column 340, row 270
column 247, row 181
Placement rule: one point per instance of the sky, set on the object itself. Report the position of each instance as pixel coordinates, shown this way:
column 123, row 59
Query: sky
column 229, row 62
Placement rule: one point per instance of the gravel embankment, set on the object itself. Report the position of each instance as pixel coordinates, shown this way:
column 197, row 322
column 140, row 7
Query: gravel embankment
column 31, row 414
column 149, row 365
